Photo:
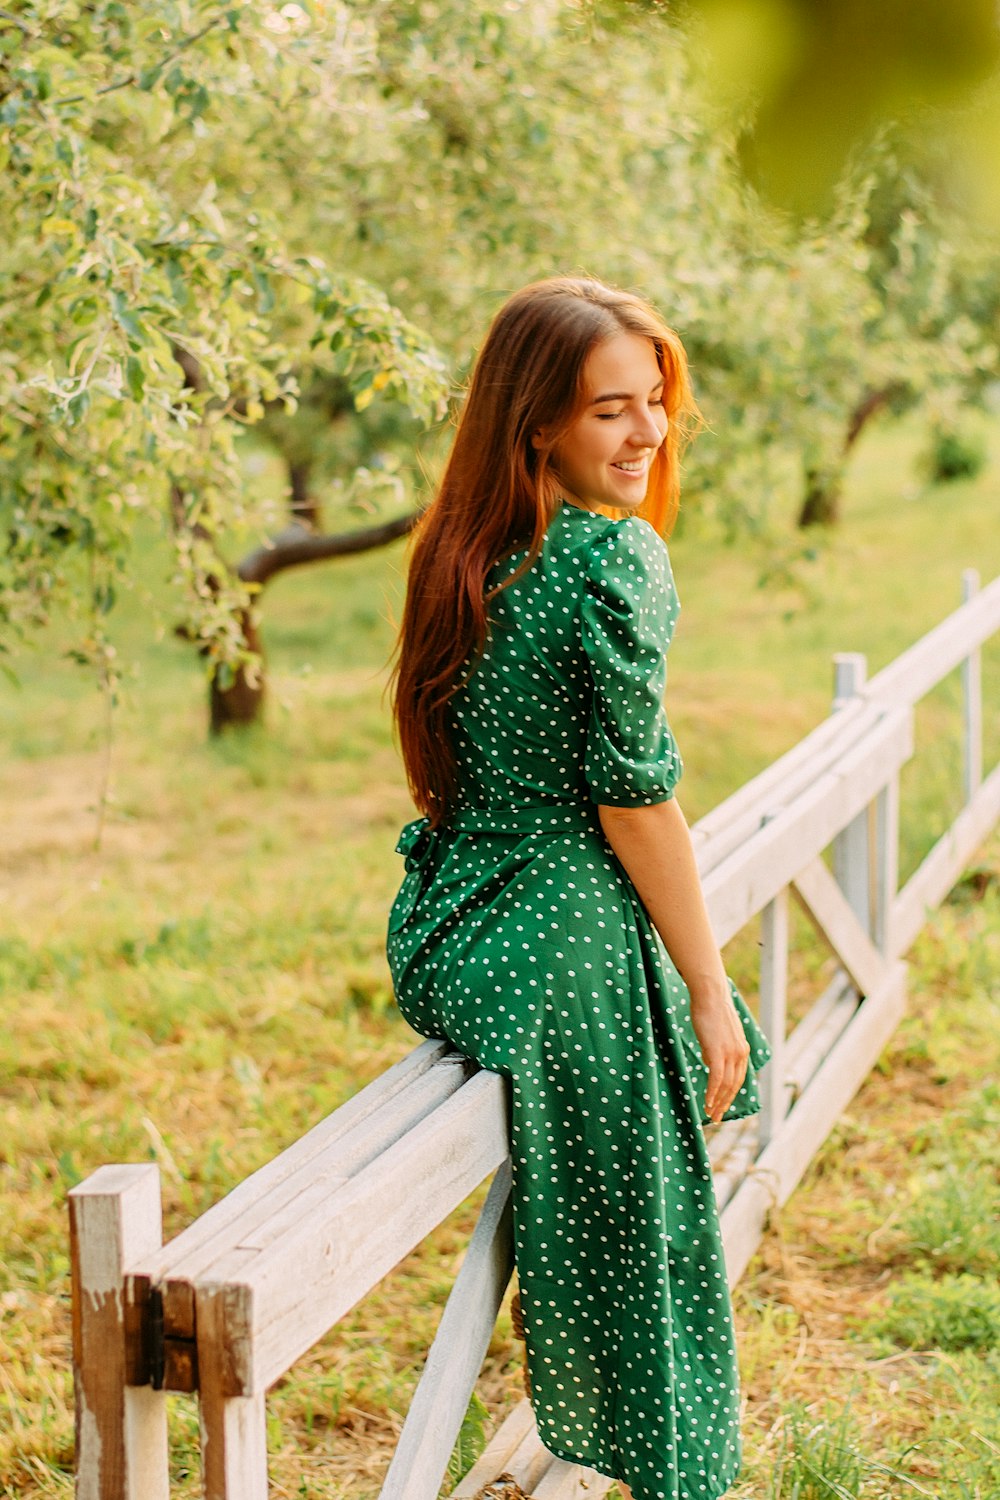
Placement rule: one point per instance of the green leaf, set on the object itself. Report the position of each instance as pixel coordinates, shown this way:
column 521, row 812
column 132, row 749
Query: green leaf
column 127, row 320
column 135, row 377
column 78, row 407
column 264, row 291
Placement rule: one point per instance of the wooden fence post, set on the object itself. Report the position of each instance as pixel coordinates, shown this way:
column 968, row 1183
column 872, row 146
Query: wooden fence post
column 233, row 1428
column 852, row 849
column 121, row 1430
column 773, row 991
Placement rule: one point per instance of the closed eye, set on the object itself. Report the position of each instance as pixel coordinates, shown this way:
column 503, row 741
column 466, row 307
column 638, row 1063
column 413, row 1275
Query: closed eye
column 612, row 416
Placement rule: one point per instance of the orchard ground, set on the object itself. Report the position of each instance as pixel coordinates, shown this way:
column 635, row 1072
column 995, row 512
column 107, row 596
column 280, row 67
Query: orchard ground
column 210, row 980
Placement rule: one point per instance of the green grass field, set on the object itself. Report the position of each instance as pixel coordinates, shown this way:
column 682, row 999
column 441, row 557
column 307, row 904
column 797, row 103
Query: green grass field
column 210, row 980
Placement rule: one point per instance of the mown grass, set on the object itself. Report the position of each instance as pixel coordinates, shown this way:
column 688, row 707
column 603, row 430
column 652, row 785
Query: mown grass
column 211, row 980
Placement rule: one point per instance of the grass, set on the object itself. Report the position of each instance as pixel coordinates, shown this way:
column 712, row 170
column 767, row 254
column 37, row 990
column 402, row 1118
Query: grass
column 211, row 980
column 854, row 1307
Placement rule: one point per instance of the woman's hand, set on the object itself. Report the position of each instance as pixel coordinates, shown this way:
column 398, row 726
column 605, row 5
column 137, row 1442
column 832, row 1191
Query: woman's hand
column 654, row 845
column 725, row 1051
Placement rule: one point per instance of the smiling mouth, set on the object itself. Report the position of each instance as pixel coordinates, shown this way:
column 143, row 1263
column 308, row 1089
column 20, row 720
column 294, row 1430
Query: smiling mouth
column 632, row 466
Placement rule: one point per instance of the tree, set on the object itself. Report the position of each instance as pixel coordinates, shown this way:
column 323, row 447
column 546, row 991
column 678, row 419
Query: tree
column 128, row 266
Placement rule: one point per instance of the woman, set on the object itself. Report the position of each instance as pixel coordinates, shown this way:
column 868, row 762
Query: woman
column 551, row 923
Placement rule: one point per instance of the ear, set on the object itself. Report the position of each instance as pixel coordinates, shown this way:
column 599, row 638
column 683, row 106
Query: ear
column 538, row 438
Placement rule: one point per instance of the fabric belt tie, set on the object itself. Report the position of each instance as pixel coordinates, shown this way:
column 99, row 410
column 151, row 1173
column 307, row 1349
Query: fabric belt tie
column 418, row 839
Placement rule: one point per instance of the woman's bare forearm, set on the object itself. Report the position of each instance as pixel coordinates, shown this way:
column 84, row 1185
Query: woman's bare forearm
column 654, row 845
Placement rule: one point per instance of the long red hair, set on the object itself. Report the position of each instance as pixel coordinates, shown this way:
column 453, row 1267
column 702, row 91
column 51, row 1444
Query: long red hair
column 499, row 493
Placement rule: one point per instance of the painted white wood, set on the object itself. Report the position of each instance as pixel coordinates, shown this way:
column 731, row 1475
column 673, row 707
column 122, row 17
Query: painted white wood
column 733, row 821
column 773, row 997
column 529, row 1461
column 808, row 1046
column 931, row 882
column 195, row 1245
column 565, row 1481
column 782, row 1163
column 826, row 904
column 912, row 675
column 495, row 1457
column 750, row 877
column 121, row 1433
column 233, row 1428
column 733, row 1167
column 852, row 850
column 903, row 682
column 517, row 1450
column 233, row 1446
column 286, row 1295
column 850, row 673
column 972, row 701
column 886, row 878
column 442, row 1397
column 814, row 1020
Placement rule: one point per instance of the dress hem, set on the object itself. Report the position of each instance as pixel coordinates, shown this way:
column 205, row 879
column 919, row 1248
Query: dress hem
column 574, row 1458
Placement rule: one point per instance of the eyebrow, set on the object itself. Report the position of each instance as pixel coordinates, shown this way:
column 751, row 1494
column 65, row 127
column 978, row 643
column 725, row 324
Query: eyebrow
column 622, row 395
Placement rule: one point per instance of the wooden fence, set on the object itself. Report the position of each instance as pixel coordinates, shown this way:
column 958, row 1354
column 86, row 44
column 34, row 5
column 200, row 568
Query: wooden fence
column 229, row 1305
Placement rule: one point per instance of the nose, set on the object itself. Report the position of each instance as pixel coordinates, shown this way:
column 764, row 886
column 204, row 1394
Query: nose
column 650, row 428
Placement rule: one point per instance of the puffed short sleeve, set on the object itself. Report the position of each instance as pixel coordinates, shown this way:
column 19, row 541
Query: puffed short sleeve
column 628, row 614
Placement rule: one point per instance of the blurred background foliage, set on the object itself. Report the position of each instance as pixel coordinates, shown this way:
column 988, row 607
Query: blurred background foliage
column 300, row 219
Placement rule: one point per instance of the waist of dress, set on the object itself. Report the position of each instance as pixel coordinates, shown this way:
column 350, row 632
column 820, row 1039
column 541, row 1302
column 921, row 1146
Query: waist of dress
column 542, row 817
column 418, row 838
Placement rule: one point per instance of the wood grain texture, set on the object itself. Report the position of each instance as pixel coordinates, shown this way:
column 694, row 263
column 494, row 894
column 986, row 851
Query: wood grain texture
column 233, row 1429
column 306, row 1266
column 121, row 1432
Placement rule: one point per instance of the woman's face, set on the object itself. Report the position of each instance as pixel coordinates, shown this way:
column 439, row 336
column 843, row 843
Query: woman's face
column 605, row 456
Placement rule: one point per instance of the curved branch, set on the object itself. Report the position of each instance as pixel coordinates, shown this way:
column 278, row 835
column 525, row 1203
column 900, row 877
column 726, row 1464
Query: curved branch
column 295, row 546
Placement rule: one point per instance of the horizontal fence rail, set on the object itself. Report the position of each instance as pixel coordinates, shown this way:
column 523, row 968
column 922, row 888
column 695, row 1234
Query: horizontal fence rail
column 227, row 1307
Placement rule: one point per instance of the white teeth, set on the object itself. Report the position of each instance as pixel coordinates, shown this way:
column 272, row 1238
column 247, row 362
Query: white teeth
column 631, row 467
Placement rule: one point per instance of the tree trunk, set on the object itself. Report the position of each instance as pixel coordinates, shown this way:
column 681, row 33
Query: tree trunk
column 238, row 702
column 242, row 702
column 821, row 505
column 304, row 509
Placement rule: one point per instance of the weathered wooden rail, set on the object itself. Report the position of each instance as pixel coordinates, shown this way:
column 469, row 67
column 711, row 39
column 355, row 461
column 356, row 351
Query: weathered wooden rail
column 229, row 1305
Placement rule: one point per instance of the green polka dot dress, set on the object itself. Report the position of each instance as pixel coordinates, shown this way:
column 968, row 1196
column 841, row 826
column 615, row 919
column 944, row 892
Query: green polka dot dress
column 517, row 935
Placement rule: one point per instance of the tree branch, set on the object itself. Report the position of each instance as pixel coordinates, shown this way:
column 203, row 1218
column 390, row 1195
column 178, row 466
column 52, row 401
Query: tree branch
column 5, row 15
column 295, row 546
column 123, row 83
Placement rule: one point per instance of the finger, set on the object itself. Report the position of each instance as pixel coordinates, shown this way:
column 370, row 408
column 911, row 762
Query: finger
column 735, row 1071
column 713, row 1090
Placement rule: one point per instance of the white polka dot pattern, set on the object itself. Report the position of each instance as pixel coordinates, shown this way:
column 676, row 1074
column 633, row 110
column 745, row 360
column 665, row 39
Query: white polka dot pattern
column 517, row 935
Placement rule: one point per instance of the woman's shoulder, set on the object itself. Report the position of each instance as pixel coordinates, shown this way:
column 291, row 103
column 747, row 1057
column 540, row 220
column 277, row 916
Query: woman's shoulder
column 629, row 551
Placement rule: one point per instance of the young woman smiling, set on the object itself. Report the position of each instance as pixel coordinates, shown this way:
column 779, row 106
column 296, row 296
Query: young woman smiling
column 550, row 922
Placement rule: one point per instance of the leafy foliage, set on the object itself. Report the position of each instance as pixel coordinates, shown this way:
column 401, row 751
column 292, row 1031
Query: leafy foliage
column 133, row 247
column 225, row 215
